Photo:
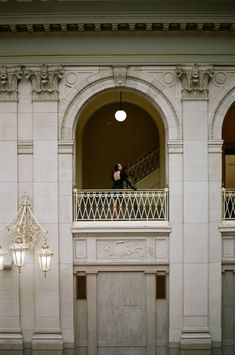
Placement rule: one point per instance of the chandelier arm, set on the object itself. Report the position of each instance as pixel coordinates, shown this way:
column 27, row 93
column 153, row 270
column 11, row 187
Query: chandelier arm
column 36, row 222
column 13, row 218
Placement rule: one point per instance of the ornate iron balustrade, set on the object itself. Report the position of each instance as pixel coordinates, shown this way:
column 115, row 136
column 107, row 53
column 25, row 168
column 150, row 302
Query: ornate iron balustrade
column 124, row 205
column 147, row 163
column 228, row 204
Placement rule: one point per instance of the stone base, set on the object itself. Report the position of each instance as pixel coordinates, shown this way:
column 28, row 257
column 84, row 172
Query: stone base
column 195, row 343
column 11, row 342
column 47, row 343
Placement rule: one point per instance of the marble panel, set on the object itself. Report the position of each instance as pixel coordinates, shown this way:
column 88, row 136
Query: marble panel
column 80, row 250
column 228, row 248
column 121, row 308
column 161, row 249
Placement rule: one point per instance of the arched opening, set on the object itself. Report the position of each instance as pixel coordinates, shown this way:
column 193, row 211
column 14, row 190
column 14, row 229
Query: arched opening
column 228, row 136
column 101, row 141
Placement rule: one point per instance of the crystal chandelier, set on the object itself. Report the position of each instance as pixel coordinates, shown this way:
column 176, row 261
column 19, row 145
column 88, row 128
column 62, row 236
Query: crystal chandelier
column 24, row 230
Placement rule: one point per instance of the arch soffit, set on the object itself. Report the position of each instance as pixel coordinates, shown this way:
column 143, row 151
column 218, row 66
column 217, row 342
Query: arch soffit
column 218, row 115
column 152, row 92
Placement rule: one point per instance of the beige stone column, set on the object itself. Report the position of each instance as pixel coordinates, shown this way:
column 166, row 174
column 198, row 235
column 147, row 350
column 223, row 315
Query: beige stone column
column 25, row 185
column 65, row 150
column 195, row 333
column 92, row 313
column 150, row 312
column 47, row 332
column 175, row 158
column 215, row 252
column 10, row 326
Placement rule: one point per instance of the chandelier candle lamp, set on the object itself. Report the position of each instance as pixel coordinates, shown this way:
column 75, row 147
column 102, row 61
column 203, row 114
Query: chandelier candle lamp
column 24, row 230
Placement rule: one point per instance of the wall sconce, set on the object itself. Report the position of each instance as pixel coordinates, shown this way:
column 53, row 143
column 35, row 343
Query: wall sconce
column 24, row 230
column 120, row 114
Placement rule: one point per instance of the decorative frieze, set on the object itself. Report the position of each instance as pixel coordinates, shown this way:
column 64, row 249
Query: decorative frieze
column 195, row 81
column 131, row 248
column 45, row 82
column 9, row 79
column 121, row 249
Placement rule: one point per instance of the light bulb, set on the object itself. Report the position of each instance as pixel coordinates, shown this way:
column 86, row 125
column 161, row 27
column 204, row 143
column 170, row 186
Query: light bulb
column 120, row 115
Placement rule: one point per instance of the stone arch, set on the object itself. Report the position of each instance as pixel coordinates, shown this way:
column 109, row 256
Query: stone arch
column 216, row 123
column 151, row 92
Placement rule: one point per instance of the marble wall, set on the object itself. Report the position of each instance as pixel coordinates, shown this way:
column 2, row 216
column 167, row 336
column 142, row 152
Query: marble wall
column 38, row 119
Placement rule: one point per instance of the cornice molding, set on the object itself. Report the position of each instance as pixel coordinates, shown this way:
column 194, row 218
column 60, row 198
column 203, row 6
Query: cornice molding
column 148, row 27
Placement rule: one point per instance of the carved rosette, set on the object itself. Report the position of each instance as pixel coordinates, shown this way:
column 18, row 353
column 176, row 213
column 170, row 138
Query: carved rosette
column 45, row 82
column 9, row 79
column 119, row 74
column 195, row 81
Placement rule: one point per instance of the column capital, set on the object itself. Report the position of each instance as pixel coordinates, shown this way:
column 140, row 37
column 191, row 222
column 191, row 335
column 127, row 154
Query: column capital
column 9, row 79
column 45, row 82
column 195, row 81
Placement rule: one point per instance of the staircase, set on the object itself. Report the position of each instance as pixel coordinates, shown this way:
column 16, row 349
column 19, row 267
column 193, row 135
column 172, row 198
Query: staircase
column 144, row 171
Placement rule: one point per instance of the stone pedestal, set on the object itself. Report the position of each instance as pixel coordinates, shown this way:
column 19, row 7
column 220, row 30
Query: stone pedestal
column 11, row 343
column 195, row 343
column 44, row 343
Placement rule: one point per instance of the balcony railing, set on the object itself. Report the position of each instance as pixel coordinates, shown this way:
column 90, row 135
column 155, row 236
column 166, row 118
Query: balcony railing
column 124, row 205
column 143, row 166
column 228, row 204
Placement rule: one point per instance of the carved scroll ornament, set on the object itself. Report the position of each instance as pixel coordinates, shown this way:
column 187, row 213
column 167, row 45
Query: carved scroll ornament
column 45, row 82
column 9, row 82
column 195, row 81
column 119, row 74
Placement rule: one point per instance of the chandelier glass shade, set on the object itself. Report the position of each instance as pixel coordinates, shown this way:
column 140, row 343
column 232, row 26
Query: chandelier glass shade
column 44, row 257
column 3, row 253
column 19, row 249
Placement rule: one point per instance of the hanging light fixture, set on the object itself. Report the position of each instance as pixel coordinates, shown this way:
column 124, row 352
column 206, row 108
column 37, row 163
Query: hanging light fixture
column 44, row 256
column 24, row 230
column 3, row 253
column 120, row 114
column 19, row 249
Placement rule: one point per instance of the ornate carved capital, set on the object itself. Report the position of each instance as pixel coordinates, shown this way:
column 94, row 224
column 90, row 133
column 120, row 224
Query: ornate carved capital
column 119, row 74
column 9, row 79
column 195, row 81
column 45, row 82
